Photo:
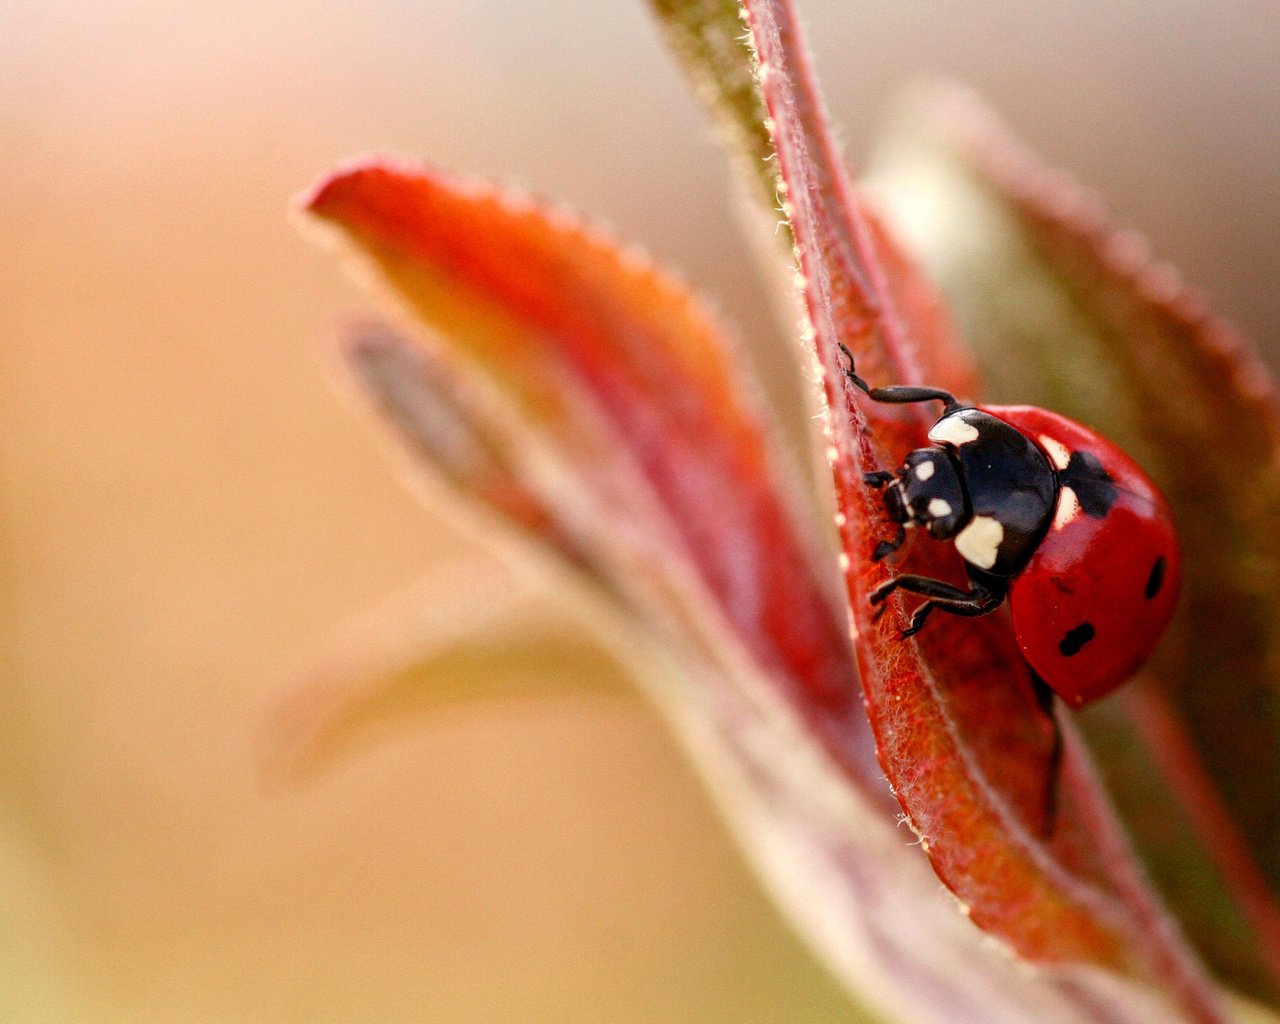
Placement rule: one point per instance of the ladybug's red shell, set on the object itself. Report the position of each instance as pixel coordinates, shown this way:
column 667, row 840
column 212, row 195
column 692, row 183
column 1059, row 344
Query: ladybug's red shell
column 1097, row 593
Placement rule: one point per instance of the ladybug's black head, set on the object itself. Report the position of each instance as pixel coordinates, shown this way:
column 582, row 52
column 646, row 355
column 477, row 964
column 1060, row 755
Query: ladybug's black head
column 926, row 492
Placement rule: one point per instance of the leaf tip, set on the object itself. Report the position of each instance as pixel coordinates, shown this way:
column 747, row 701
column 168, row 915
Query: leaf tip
column 335, row 191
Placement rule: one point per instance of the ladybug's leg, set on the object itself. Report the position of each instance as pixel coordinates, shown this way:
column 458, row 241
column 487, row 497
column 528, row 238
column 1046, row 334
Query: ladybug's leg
column 899, row 394
column 878, row 478
column 887, row 547
column 942, row 596
column 1053, row 771
column 926, row 586
column 969, row 609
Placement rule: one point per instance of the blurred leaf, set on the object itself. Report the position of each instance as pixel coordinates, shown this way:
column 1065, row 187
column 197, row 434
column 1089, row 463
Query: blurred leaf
column 1246, row 1012
column 473, row 630
column 711, row 40
column 1078, row 896
column 445, row 418
column 637, row 431
column 639, row 457
column 1030, row 260
column 620, row 383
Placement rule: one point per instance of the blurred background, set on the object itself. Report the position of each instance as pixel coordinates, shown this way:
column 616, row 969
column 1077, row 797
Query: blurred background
column 188, row 510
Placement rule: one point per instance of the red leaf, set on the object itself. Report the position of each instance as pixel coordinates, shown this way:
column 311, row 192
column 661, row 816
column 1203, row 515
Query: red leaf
column 1173, row 383
column 441, row 415
column 624, row 377
column 935, row 706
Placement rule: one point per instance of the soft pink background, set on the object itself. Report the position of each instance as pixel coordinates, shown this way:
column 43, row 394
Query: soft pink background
column 187, row 508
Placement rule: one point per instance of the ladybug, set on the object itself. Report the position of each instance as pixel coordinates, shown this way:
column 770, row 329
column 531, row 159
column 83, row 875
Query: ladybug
column 1044, row 512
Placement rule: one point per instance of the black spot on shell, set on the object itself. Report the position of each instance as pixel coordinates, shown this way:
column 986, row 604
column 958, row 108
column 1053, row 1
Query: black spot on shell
column 1156, row 580
column 1093, row 485
column 1076, row 639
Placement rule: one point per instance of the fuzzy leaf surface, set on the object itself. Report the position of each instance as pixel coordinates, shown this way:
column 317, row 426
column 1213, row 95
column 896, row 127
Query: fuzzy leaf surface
column 710, row 39
column 1077, row 894
column 639, row 438
column 444, row 417
column 632, row 414
column 1030, row 259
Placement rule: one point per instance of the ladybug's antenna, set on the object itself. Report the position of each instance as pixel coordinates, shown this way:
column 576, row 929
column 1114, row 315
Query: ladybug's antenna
column 899, row 394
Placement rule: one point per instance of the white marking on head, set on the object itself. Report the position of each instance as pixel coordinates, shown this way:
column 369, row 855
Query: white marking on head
column 979, row 542
column 1068, row 510
column 924, row 470
column 953, row 430
column 939, row 507
column 1059, row 453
